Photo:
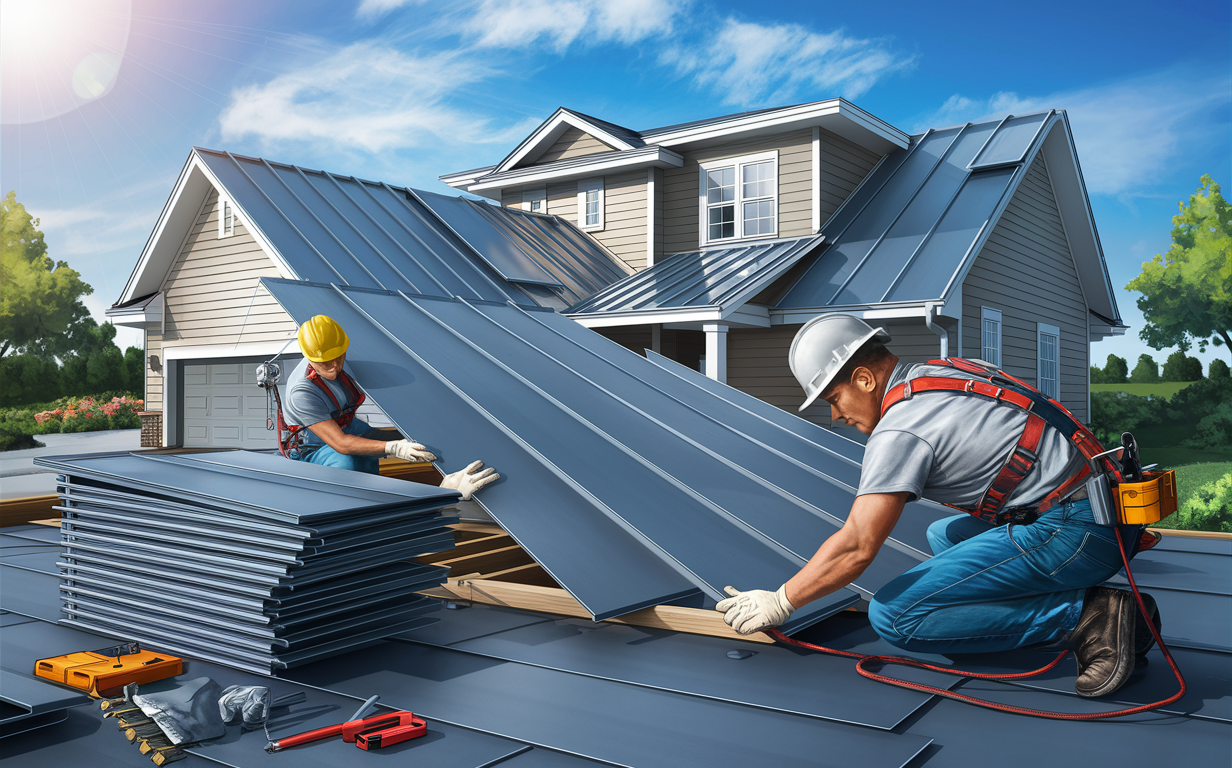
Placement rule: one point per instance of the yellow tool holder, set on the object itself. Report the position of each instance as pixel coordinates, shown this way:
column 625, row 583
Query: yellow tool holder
column 1149, row 501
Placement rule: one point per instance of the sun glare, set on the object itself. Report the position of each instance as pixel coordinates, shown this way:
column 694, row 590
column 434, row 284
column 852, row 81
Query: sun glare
column 56, row 55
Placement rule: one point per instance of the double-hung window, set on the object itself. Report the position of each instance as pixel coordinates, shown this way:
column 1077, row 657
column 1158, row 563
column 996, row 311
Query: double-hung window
column 590, row 204
column 1049, row 375
column 990, row 333
column 739, row 198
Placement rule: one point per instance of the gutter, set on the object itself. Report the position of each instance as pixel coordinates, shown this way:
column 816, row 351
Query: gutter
column 931, row 311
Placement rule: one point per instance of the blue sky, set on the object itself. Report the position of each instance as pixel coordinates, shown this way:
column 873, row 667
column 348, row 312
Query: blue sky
column 102, row 99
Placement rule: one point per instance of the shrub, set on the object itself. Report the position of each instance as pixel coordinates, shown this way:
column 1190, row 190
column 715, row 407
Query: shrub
column 1180, row 367
column 1218, row 370
column 1215, row 428
column 1115, row 412
column 1146, row 371
column 1209, row 509
column 1115, row 370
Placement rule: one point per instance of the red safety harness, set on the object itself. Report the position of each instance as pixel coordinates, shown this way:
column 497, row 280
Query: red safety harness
column 1041, row 411
column 291, row 437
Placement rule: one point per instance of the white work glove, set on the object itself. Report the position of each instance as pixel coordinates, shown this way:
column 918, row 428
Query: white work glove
column 411, row 451
column 755, row 610
column 471, row 479
column 251, row 702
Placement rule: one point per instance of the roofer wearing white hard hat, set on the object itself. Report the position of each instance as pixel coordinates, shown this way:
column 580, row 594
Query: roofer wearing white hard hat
column 1019, row 568
column 319, row 414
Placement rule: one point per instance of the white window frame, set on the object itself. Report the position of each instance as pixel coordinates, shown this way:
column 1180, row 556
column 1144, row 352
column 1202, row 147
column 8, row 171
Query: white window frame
column 1042, row 330
column 585, row 186
column 532, row 196
column 737, row 163
column 226, row 217
column 990, row 315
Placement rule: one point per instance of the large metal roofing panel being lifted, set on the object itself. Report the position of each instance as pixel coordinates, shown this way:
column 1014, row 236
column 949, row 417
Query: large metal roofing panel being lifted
column 722, row 278
column 341, row 229
column 603, row 470
column 912, row 226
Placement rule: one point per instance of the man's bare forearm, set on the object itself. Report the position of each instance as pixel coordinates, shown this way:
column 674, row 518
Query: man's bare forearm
column 843, row 557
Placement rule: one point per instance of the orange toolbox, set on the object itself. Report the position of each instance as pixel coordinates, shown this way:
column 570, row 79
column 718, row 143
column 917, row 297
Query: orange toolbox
column 106, row 671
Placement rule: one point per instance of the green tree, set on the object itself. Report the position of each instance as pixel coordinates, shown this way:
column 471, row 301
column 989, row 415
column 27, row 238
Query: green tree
column 1181, row 367
column 1115, row 370
column 28, row 379
column 39, row 299
column 1146, row 371
column 1219, row 370
column 1187, row 293
column 134, row 370
column 1097, row 375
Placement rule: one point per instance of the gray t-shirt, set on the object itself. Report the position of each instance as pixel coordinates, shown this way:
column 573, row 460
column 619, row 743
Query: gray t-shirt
column 949, row 446
column 304, row 404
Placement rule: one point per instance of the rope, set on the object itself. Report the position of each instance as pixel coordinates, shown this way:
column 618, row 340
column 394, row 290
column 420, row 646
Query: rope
column 864, row 661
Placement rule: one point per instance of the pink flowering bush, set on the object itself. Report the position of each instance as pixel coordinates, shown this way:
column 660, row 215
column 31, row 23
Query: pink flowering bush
column 88, row 414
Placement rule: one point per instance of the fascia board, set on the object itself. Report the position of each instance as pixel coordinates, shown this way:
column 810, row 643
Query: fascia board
column 253, row 227
column 805, row 114
column 747, row 315
column 1074, row 205
column 628, row 160
column 643, row 317
column 461, row 179
column 550, row 126
column 172, row 205
column 863, row 311
column 208, row 351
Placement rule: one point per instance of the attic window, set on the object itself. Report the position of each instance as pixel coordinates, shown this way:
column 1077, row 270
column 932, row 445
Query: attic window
column 226, row 219
column 739, row 198
column 535, row 200
column 590, row 204
column 1049, row 374
column 990, row 331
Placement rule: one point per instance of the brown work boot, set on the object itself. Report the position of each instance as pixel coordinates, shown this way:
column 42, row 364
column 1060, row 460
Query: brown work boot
column 1143, row 639
column 1103, row 641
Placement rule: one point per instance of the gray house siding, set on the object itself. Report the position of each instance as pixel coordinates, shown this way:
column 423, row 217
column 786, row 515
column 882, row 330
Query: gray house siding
column 680, row 187
column 624, row 217
column 1026, row 270
column 573, row 143
column 843, row 166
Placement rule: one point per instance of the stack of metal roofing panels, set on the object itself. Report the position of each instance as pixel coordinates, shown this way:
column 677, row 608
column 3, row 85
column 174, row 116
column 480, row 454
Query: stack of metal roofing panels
column 629, row 485
column 245, row 558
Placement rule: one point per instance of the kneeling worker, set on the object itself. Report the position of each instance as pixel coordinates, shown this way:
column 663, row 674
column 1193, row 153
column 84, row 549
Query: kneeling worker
column 1019, row 569
column 319, row 414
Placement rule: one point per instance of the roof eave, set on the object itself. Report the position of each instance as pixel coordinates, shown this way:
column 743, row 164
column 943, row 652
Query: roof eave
column 606, row 162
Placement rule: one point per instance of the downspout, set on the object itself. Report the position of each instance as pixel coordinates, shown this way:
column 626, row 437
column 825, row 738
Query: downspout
column 931, row 309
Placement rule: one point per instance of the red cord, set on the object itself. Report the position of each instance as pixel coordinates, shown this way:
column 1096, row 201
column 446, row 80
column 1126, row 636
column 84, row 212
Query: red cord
column 864, row 660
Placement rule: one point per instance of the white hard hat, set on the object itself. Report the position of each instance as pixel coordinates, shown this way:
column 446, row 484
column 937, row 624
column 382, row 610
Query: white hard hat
column 823, row 346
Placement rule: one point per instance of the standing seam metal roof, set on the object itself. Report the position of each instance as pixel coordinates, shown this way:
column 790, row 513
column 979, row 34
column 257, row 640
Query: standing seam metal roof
column 714, row 277
column 908, row 229
column 367, row 234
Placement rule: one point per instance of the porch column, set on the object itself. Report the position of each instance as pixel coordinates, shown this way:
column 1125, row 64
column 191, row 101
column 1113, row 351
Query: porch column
column 656, row 337
column 716, row 351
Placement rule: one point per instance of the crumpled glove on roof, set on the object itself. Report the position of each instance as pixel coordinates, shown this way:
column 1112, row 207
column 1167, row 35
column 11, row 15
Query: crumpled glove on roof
column 249, row 702
column 187, row 714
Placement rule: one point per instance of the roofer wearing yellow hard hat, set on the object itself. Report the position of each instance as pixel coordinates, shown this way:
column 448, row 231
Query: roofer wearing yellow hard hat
column 319, row 414
column 1020, row 568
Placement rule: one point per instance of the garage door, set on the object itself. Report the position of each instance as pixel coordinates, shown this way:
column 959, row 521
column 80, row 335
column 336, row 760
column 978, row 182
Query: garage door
column 223, row 406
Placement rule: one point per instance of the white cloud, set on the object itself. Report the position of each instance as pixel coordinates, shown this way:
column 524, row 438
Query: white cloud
column 748, row 63
column 365, row 96
column 374, row 8
column 1127, row 134
column 558, row 23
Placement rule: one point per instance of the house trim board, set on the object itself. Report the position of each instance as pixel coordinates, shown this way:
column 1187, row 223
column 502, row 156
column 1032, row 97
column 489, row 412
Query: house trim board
column 552, row 125
column 583, row 167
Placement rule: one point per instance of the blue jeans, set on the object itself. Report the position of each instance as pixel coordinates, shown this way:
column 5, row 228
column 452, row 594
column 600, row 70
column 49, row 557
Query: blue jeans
column 992, row 589
column 328, row 457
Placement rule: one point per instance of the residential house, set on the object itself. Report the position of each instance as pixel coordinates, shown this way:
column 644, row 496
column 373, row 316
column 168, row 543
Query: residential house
column 232, row 220
column 974, row 240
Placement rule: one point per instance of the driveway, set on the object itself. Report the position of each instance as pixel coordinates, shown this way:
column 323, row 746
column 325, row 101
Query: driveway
column 19, row 477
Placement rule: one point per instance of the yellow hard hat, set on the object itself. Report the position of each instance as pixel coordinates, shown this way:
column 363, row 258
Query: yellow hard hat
column 321, row 339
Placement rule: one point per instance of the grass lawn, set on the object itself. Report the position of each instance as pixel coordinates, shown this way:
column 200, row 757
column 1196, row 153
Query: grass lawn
column 1164, row 389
